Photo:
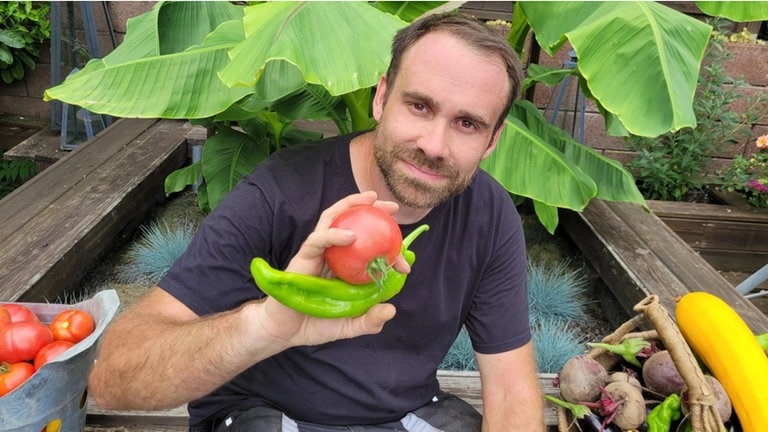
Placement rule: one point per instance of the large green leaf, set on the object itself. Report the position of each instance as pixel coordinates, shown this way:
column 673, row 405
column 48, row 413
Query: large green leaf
column 739, row 11
column 168, row 28
column 182, row 85
column 227, row 157
column 410, row 10
column 528, row 166
column 537, row 160
column 613, row 181
column 639, row 59
column 343, row 46
column 184, row 24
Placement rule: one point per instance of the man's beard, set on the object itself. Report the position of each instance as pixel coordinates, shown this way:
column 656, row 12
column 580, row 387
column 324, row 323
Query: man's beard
column 414, row 192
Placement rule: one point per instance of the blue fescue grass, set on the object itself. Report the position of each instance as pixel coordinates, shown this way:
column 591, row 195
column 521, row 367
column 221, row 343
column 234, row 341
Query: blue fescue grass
column 554, row 342
column 461, row 356
column 159, row 247
column 555, row 292
column 556, row 298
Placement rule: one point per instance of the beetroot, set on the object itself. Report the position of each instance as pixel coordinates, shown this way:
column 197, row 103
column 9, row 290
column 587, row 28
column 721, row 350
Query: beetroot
column 581, row 379
column 722, row 402
column 621, row 404
column 660, row 374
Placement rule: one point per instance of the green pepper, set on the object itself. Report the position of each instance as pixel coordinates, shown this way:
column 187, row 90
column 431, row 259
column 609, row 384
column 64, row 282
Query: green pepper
column 661, row 417
column 330, row 298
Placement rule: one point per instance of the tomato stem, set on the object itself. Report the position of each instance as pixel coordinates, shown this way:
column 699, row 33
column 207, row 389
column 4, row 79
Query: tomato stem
column 378, row 269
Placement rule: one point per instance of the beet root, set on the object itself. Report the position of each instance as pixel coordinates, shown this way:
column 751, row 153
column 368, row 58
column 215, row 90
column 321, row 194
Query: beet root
column 722, row 402
column 581, row 379
column 661, row 375
column 623, row 405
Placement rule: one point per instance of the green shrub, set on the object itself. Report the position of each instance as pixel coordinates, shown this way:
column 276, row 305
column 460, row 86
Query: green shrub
column 13, row 173
column 24, row 25
column 748, row 176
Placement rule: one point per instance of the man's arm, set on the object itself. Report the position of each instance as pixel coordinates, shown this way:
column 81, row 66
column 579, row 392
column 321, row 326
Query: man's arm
column 160, row 354
column 512, row 398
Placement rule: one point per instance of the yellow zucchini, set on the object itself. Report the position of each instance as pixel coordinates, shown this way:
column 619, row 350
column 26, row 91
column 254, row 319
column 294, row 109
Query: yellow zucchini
column 724, row 342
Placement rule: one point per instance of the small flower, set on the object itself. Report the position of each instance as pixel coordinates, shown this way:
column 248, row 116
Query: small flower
column 762, row 141
column 757, row 185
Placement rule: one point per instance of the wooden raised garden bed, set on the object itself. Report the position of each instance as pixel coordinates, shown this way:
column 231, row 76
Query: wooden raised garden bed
column 729, row 237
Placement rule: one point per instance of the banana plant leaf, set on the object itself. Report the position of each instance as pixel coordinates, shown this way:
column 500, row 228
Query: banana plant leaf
column 738, row 11
column 137, row 80
column 227, row 157
column 537, row 160
column 342, row 46
column 629, row 52
column 410, row 10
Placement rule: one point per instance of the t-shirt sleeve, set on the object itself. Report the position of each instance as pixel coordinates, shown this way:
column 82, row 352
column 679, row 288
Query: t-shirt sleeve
column 214, row 272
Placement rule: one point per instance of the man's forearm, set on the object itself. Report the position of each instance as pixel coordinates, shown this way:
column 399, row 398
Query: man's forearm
column 154, row 365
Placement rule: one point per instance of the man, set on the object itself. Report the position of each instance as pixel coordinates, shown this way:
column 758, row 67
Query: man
column 207, row 335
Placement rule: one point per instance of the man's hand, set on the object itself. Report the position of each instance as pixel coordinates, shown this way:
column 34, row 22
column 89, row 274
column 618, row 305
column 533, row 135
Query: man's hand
column 291, row 328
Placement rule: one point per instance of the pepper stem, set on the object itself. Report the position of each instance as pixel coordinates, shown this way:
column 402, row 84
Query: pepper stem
column 413, row 235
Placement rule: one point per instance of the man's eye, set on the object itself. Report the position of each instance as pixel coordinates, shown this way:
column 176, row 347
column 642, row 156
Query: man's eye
column 467, row 124
column 418, row 106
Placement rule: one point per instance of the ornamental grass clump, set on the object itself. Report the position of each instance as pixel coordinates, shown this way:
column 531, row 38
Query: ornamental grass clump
column 748, row 176
column 153, row 254
column 556, row 299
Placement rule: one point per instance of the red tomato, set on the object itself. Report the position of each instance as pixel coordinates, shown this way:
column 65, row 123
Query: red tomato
column 5, row 316
column 374, row 250
column 13, row 375
column 72, row 325
column 51, row 351
column 20, row 341
column 20, row 312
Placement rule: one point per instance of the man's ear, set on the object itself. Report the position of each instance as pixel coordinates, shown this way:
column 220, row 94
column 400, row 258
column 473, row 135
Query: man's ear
column 378, row 98
column 494, row 140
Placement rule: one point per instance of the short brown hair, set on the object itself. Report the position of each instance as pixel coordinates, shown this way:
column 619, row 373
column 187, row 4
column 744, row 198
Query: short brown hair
column 468, row 29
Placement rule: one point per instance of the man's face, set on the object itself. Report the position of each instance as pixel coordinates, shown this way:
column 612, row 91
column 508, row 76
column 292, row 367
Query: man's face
column 436, row 121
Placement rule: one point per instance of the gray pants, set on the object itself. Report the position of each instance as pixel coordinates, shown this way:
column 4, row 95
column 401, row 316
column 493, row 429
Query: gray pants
column 447, row 413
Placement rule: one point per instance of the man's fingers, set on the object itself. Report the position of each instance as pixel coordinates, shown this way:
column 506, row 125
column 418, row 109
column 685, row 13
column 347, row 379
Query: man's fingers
column 373, row 320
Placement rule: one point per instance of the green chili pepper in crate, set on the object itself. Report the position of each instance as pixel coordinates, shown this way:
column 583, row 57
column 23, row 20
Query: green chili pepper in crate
column 330, row 298
column 661, row 417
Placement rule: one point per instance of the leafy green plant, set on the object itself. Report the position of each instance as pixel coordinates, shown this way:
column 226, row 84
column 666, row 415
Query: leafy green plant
column 669, row 166
column 233, row 63
column 749, row 176
column 13, row 173
column 23, row 26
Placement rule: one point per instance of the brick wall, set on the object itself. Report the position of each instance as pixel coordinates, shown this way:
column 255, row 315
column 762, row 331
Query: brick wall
column 25, row 97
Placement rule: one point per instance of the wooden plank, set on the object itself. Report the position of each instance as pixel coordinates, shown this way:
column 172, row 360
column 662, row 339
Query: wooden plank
column 728, row 237
column 36, row 195
column 637, row 254
column 52, row 247
column 464, row 384
column 698, row 211
column 488, row 10
column 105, row 418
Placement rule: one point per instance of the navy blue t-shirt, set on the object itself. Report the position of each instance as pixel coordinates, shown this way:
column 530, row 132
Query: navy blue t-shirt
column 470, row 269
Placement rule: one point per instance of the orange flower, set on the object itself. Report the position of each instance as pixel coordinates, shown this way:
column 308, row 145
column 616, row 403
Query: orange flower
column 762, row 141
